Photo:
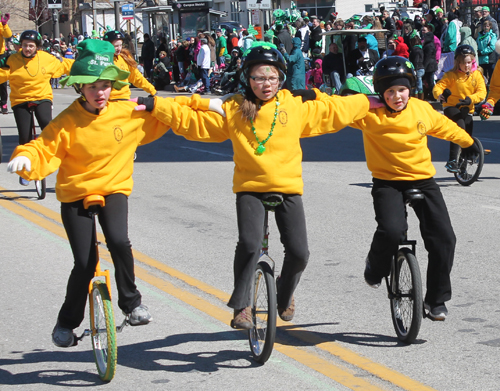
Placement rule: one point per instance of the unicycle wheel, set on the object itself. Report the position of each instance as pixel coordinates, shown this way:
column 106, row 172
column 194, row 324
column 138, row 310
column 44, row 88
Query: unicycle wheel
column 470, row 167
column 103, row 331
column 264, row 311
column 406, row 296
column 41, row 189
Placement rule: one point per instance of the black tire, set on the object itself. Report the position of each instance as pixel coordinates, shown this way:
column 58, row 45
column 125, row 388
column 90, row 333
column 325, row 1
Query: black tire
column 470, row 168
column 264, row 312
column 406, row 296
column 41, row 189
column 103, row 331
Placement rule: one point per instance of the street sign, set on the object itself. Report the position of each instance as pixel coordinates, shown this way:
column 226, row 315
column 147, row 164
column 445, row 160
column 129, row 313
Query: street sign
column 54, row 3
column 128, row 11
column 259, row 4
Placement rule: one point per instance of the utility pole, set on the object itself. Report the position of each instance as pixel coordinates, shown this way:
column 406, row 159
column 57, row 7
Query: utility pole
column 94, row 16
column 55, row 21
column 117, row 15
column 55, row 5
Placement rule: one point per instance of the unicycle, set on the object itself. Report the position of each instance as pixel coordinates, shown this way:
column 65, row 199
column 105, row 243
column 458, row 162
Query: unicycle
column 264, row 301
column 102, row 321
column 40, row 185
column 404, row 284
column 469, row 167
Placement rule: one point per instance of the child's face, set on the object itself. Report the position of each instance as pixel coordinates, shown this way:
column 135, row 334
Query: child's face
column 466, row 65
column 96, row 95
column 316, row 65
column 118, row 44
column 29, row 48
column 264, row 81
column 397, row 97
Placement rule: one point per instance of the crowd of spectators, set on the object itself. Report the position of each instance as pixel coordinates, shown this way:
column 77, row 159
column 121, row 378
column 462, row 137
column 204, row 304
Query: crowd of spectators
column 313, row 59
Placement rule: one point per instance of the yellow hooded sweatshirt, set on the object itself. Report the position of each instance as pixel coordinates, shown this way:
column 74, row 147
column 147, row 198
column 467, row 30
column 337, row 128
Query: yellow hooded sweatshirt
column 461, row 85
column 396, row 143
column 29, row 78
column 279, row 168
column 94, row 153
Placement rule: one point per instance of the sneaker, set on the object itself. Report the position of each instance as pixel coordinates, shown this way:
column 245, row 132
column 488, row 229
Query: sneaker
column 5, row 110
column 176, row 88
column 23, row 182
column 287, row 314
column 140, row 316
column 370, row 278
column 63, row 337
column 452, row 166
column 436, row 311
column 242, row 319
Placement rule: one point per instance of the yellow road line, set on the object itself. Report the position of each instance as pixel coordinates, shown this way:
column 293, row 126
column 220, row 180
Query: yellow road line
column 301, row 355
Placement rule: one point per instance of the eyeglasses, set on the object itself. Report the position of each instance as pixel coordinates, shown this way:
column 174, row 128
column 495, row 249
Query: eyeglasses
column 261, row 80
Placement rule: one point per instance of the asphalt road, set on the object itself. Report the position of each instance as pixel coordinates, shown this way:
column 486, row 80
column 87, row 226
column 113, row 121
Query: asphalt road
column 182, row 226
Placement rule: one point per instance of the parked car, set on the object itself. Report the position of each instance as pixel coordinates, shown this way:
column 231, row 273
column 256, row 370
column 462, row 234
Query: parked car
column 229, row 26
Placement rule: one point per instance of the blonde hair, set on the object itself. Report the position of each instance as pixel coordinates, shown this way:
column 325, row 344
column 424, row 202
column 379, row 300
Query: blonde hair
column 127, row 56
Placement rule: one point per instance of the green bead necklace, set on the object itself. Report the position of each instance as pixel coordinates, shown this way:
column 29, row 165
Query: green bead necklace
column 261, row 148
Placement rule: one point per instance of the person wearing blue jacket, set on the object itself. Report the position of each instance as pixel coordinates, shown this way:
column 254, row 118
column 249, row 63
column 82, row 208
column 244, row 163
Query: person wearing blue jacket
column 295, row 68
column 486, row 41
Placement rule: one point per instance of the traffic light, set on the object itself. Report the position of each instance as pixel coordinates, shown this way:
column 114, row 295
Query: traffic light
column 63, row 18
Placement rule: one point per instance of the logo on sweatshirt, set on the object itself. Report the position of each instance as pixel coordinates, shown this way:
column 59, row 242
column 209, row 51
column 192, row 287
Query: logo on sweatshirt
column 118, row 133
column 422, row 128
column 283, row 117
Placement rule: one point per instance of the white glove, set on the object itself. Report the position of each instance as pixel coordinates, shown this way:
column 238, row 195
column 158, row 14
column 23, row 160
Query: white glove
column 18, row 163
column 216, row 104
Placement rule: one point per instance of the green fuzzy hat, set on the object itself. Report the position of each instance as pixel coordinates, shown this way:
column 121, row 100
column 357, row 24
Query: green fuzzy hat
column 95, row 62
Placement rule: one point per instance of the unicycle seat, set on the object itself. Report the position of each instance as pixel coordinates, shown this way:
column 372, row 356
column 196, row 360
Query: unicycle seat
column 94, row 200
column 412, row 196
column 271, row 200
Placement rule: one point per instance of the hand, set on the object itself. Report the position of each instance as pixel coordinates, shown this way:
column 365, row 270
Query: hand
column 18, row 164
column 305, row 94
column 5, row 19
column 463, row 102
column 486, row 111
column 473, row 150
column 375, row 102
column 144, row 104
column 445, row 95
column 216, row 104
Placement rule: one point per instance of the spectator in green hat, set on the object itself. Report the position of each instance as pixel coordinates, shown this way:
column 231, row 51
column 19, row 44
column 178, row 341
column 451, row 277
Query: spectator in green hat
column 92, row 145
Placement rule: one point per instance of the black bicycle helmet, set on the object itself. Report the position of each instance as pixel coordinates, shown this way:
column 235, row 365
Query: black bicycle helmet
column 261, row 54
column 393, row 70
column 464, row 50
column 112, row 36
column 31, row 35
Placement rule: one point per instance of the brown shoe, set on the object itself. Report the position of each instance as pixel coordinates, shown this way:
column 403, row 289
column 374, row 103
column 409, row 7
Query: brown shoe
column 176, row 88
column 242, row 319
column 288, row 313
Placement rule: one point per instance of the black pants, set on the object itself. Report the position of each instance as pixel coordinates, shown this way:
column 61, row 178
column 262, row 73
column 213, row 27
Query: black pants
column 4, row 95
column 148, row 67
column 291, row 223
column 463, row 119
column 435, row 227
column 428, row 80
column 80, row 230
column 22, row 115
